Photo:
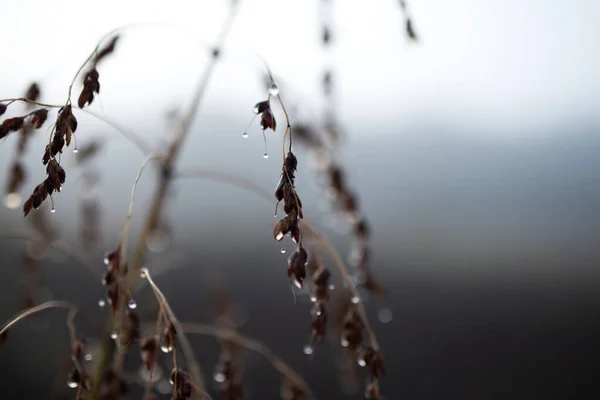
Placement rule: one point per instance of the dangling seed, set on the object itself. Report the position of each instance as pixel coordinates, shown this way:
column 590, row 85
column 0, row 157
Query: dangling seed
column 274, row 89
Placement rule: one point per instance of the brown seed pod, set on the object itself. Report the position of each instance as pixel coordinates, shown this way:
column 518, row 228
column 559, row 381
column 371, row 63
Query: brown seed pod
column 149, row 350
column 297, row 266
column 33, row 92
column 38, row 117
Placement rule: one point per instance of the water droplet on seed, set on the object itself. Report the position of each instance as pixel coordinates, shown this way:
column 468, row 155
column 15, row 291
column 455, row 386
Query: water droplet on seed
column 71, row 383
column 166, row 349
column 255, row 109
column 132, row 304
column 114, row 335
column 355, row 300
column 106, row 260
column 344, row 342
column 101, row 302
column 265, row 156
column 308, row 349
column 385, row 316
column 219, row 377
column 274, row 89
column 313, row 298
column 362, row 362
column 282, row 250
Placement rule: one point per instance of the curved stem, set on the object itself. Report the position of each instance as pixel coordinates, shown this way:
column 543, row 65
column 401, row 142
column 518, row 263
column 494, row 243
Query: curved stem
column 243, row 183
column 136, row 140
column 36, row 309
column 252, row 345
column 186, row 347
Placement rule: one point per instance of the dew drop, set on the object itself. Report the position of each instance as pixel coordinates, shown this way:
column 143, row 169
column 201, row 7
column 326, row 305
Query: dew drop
column 361, row 361
column 355, row 300
column 88, row 357
column 344, row 342
column 101, row 302
column 282, row 250
column 265, row 156
column 275, row 216
column 114, row 335
column 274, row 89
column 53, row 210
column 166, row 349
column 385, row 316
column 132, row 304
column 12, row 200
column 219, row 377
column 313, row 298
column 308, row 349
column 75, row 150
column 106, row 260
column 71, row 383
column 331, row 287
column 245, row 135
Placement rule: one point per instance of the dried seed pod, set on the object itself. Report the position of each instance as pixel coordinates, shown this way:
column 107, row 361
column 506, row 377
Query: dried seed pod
column 282, row 228
column 297, row 266
column 149, row 350
column 38, row 117
column 33, row 92
column 182, row 384
column 78, row 348
column 106, row 50
column 130, row 329
column 321, row 281
column 13, row 124
column 410, row 31
column 352, row 334
column 262, row 106
column 16, row 178
column 168, row 338
column 267, row 120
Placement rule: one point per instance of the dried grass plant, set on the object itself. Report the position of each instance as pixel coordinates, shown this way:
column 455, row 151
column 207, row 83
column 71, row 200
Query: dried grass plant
column 125, row 331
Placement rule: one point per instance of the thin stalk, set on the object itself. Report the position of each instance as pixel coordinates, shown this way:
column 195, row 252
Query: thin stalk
column 248, row 343
column 245, row 184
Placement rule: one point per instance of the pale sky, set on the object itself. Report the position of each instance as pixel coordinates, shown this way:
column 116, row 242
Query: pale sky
column 503, row 65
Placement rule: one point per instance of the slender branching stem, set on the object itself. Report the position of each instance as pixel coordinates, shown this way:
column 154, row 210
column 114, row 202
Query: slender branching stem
column 245, row 184
column 186, row 347
column 248, row 343
column 36, row 309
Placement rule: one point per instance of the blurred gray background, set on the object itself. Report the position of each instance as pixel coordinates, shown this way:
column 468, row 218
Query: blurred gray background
column 474, row 153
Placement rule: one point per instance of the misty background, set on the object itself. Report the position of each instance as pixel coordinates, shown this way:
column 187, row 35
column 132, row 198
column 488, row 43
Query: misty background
column 473, row 151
